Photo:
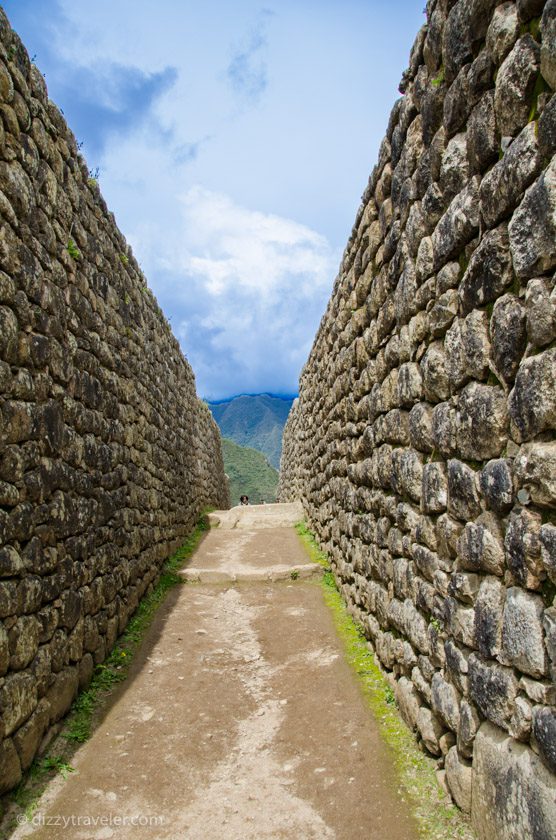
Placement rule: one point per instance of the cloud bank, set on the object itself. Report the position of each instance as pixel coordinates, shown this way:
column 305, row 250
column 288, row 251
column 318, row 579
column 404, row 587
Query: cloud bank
column 246, row 290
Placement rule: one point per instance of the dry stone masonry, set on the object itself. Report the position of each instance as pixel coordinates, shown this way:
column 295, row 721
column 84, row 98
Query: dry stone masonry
column 107, row 457
column 422, row 444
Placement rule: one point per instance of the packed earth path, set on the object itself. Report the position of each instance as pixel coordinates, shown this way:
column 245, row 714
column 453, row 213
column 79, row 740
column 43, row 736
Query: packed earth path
column 240, row 717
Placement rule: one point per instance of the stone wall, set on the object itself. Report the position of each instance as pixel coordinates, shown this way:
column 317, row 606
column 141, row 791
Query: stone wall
column 422, row 445
column 107, row 457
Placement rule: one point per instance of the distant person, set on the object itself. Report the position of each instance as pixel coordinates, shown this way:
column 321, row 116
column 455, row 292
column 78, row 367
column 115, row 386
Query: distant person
column 244, row 500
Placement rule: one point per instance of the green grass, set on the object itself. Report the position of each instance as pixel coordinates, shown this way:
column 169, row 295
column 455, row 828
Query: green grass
column 80, row 721
column 249, row 472
column 436, row 817
column 73, row 250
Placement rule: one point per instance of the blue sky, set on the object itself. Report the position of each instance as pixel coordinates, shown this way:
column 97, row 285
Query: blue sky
column 233, row 142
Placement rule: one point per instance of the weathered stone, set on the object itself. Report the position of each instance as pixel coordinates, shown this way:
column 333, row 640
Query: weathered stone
column 503, row 187
column 420, row 427
column 483, row 140
column 469, row 723
column 523, row 548
column 488, row 617
column 445, row 701
column 549, row 624
column 512, row 792
column 18, row 699
column 28, row 738
column 497, row 485
column 483, row 422
column 535, row 471
column 480, row 547
column 430, row 729
column 514, row 85
column 532, row 402
column 467, row 349
column 460, row 622
column 522, row 632
column 548, row 43
column 502, row 31
column 465, row 28
column 492, row 689
column 532, row 228
column 11, row 767
column 508, row 332
column 544, row 730
column 463, row 498
column 464, row 586
column 408, row 701
column 443, row 312
column 62, row 692
column 548, row 549
column 521, row 720
column 434, row 496
column 435, row 375
column 10, row 561
column 459, row 776
column 24, row 641
column 541, row 313
column 546, row 131
column 458, row 225
column 489, row 270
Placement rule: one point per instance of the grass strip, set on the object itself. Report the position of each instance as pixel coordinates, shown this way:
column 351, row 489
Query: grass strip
column 436, row 817
column 79, row 723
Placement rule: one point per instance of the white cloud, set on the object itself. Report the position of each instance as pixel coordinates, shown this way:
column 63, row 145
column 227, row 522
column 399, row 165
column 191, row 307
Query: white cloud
column 247, row 288
column 234, row 248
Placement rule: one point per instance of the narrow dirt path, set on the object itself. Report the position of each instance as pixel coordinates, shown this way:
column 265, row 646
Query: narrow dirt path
column 240, row 718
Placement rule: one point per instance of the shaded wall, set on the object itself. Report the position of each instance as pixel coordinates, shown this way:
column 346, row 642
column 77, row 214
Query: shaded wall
column 422, row 444
column 107, row 457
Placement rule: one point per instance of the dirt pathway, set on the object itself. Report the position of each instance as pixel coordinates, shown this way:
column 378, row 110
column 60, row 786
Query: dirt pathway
column 240, row 718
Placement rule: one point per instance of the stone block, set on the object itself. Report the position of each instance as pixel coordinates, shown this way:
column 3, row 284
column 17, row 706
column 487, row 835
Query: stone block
column 488, row 617
column 458, row 225
column 62, row 693
column 10, row 767
column 489, row 270
column 481, row 547
column 535, row 472
column 493, row 690
column 408, row 701
column 532, row 402
column 523, row 547
column 548, row 43
column 497, row 485
column 434, row 496
column 463, row 497
column 512, row 791
column 482, row 422
column 503, row 31
column 28, row 737
column 508, row 332
column 430, row 729
column 541, row 312
column 544, row 730
column 469, row 723
column 503, row 186
column 459, row 776
column 18, row 699
column 522, row 632
column 532, row 229
column 445, row 701
column 514, row 86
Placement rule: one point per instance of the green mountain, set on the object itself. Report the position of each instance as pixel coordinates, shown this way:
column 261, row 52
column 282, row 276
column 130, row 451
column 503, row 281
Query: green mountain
column 249, row 473
column 256, row 421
